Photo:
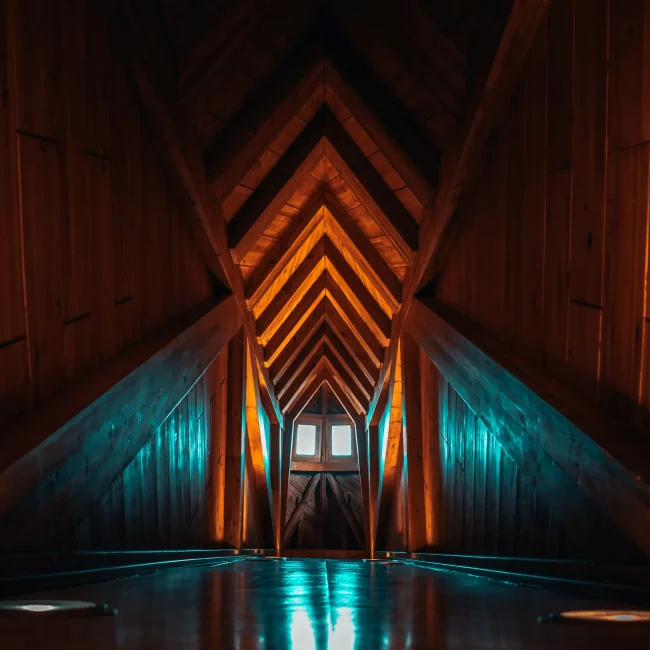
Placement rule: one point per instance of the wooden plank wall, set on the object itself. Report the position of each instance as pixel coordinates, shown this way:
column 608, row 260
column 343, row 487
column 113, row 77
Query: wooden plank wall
column 94, row 253
column 553, row 259
column 336, row 533
column 159, row 500
column 485, row 505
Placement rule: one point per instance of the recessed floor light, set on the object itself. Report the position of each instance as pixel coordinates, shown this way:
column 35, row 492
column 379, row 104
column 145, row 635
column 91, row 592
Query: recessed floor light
column 53, row 608
column 599, row 616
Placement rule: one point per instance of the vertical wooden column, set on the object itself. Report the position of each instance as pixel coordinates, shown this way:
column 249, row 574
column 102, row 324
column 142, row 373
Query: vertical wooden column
column 235, row 431
column 362, row 454
column 276, row 479
column 372, row 436
column 287, row 440
column 412, row 444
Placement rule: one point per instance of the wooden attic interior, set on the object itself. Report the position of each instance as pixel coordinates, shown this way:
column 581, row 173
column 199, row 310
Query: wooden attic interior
column 429, row 219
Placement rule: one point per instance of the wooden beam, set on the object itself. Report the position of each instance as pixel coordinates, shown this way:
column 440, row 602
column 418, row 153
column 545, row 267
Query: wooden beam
column 235, row 463
column 382, row 116
column 261, row 207
column 339, row 224
column 239, row 146
column 218, row 41
column 100, row 424
column 299, row 510
column 412, row 444
column 348, row 360
column 345, row 508
column 313, row 363
column 341, row 373
column 351, row 341
column 354, row 320
column 295, row 287
column 390, row 429
column 180, row 152
column 301, row 312
column 307, row 350
column 286, row 358
column 590, row 468
column 371, row 189
column 334, row 466
column 463, row 161
column 276, row 259
column 256, row 426
column 357, row 293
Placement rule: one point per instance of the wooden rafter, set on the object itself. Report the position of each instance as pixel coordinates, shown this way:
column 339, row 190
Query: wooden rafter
column 348, row 359
column 344, row 379
column 264, row 204
column 297, row 514
column 181, row 153
column 314, row 362
column 286, row 248
column 466, row 156
column 238, row 147
column 381, row 115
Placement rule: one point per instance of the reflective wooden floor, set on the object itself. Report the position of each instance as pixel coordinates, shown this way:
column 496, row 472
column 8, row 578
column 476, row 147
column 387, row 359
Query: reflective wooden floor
column 317, row 604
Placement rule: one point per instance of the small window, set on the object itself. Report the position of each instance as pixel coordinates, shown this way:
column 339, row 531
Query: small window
column 341, row 440
column 306, row 440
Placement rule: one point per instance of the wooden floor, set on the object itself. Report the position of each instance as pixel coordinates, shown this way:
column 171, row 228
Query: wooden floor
column 318, row 604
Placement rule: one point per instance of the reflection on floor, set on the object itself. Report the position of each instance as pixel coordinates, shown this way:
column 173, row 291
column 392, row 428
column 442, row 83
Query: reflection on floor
column 321, row 605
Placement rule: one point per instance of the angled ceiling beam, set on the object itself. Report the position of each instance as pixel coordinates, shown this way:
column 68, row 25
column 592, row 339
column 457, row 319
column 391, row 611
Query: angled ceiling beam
column 315, row 361
column 295, row 319
column 297, row 514
column 277, row 258
column 345, row 508
column 371, row 189
column 350, row 340
column 264, row 204
column 354, row 321
column 465, row 158
column 342, row 225
column 180, row 152
column 356, row 291
column 219, row 40
column 239, row 146
column 291, row 350
column 307, row 350
column 292, row 292
column 347, row 384
column 349, row 361
column 381, row 115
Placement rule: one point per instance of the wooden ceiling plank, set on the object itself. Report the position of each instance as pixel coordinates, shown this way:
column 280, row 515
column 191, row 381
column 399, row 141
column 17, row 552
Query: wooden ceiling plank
column 292, row 292
column 180, row 151
column 313, row 365
column 284, row 249
column 382, row 116
column 259, row 210
column 464, row 160
column 294, row 320
column 345, row 225
column 371, row 189
column 354, row 321
column 240, row 145
column 359, row 294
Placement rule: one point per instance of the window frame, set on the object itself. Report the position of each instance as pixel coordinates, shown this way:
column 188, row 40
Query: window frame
column 333, row 420
column 315, row 420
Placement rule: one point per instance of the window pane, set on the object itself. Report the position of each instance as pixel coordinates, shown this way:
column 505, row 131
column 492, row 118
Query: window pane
column 341, row 440
column 306, row 440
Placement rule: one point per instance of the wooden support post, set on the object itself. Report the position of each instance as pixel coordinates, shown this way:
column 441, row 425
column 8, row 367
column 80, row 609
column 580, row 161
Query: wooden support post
column 412, row 444
column 373, row 439
column 235, row 451
column 287, row 442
